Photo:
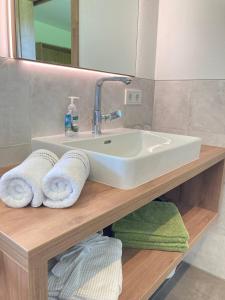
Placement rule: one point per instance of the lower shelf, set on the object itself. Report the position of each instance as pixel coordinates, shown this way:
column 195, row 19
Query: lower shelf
column 145, row 270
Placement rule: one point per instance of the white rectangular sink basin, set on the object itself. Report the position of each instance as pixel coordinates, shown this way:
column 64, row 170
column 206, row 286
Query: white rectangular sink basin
column 127, row 158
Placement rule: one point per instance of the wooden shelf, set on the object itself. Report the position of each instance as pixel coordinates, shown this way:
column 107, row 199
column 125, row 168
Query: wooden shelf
column 47, row 232
column 145, row 270
column 29, row 237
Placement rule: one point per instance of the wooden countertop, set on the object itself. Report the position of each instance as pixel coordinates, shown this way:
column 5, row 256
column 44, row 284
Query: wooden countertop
column 47, row 232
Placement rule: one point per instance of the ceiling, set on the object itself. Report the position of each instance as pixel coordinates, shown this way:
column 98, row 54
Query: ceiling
column 54, row 12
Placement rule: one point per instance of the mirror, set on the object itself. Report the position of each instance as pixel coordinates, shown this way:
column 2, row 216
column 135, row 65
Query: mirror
column 98, row 34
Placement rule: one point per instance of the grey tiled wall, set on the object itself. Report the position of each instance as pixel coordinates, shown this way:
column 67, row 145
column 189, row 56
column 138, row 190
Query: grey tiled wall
column 197, row 107
column 193, row 107
column 33, row 100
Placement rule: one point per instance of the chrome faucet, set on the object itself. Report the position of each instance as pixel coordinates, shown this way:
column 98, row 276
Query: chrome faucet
column 97, row 114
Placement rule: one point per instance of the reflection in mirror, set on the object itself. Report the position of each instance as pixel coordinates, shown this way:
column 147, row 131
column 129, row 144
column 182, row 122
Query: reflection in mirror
column 45, row 30
column 97, row 34
column 52, row 24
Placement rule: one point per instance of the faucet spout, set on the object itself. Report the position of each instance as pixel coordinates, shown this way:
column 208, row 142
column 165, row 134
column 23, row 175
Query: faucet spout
column 97, row 114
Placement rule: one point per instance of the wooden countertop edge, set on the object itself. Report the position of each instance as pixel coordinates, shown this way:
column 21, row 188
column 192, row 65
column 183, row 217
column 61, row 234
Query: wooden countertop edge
column 14, row 250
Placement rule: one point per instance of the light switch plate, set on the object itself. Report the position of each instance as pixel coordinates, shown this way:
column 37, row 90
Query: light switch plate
column 133, row 97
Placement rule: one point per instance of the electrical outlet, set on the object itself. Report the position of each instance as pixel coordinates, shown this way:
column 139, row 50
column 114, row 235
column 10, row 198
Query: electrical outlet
column 133, row 97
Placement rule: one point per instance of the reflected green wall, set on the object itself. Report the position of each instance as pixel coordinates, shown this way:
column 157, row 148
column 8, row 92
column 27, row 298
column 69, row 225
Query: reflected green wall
column 48, row 34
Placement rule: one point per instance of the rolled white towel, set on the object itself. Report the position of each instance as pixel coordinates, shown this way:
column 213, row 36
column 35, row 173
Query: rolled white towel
column 22, row 185
column 63, row 184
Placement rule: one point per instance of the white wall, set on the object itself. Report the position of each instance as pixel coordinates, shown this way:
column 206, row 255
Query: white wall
column 52, row 35
column 147, row 37
column 108, row 35
column 191, row 40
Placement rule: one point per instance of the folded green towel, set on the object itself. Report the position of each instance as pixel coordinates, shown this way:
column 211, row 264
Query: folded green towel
column 148, row 238
column 156, row 219
column 176, row 247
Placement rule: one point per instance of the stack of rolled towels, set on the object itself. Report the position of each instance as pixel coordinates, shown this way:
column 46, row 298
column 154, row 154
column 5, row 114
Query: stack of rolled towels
column 91, row 270
column 157, row 226
column 44, row 179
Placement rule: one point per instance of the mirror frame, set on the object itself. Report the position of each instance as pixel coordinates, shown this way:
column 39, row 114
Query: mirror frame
column 11, row 28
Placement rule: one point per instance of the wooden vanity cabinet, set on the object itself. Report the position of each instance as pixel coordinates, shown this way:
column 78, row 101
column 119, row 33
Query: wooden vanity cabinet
column 29, row 237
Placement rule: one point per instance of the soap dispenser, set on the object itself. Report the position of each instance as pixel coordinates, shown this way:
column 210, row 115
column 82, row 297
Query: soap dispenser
column 74, row 114
column 68, row 123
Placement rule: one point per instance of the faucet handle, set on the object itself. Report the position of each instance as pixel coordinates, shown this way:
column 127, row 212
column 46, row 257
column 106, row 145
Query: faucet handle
column 113, row 115
column 116, row 114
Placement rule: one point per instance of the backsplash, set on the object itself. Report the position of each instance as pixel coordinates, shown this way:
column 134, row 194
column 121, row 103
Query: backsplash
column 192, row 107
column 33, row 100
column 197, row 107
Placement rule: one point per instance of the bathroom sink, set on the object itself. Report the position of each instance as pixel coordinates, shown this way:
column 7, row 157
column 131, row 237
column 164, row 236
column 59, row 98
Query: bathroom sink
column 127, row 158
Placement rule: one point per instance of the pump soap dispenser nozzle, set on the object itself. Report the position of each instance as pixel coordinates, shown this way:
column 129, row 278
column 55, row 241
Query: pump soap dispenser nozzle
column 72, row 106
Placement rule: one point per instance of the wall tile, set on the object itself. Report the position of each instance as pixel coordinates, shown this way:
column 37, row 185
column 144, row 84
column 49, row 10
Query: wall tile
column 208, row 106
column 49, row 91
column 172, row 105
column 141, row 114
column 200, row 107
column 13, row 155
column 208, row 254
column 14, row 105
column 2, row 60
column 208, row 138
column 171, row 130
column 220, row 224
column 33, row 100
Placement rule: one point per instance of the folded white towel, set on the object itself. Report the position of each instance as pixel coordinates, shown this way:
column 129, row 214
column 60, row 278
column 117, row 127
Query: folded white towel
column 63, row 184
column 22, row 185
column 91, row 270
